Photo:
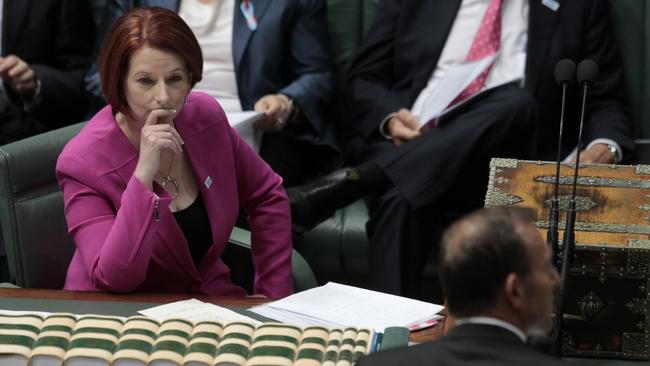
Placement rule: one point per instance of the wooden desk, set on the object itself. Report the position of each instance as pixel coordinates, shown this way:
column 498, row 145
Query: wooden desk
column 127, row 304
column 33, row 299
column 25, row 293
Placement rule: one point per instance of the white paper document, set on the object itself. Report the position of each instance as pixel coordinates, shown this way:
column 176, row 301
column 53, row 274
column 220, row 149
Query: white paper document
column 243, row 123
column 455, row 80
column 334, row 305
column 195, row 311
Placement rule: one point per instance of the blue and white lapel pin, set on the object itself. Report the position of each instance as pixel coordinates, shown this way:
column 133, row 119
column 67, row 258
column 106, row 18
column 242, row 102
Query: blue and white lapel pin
column 551, row 4
column 248, row 10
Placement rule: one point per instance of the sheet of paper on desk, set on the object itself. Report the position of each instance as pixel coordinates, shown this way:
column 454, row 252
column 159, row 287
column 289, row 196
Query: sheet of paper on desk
column 195, row 310
column 243, row 123
column 335, row 305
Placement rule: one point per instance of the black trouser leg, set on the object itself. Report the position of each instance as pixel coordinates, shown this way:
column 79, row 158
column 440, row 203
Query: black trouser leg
column 295, row 161
column 500, row 125
column 445, row 169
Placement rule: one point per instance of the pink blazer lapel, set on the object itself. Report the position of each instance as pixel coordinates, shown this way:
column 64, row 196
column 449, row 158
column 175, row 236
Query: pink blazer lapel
column 124, row 164
column 210, row 153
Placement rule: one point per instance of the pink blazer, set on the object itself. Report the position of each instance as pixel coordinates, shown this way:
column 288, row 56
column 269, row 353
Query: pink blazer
column 121, row 247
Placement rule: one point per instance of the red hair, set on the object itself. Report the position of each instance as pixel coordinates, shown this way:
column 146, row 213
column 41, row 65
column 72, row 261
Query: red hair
column 155, row 27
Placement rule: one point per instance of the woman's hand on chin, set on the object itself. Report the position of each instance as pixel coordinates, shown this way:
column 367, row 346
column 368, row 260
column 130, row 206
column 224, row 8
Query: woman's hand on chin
column 155, row 137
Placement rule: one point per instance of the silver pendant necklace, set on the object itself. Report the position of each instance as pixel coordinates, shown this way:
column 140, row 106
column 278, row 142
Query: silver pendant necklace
column 169, row 179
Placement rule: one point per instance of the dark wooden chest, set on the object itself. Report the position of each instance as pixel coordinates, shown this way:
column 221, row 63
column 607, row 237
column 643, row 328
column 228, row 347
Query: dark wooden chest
column 608, row 307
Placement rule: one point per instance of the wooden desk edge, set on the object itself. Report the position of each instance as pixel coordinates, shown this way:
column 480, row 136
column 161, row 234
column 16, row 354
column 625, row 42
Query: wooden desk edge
column 144, row 298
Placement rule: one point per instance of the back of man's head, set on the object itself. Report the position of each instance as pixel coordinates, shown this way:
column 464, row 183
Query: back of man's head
column 479, row 252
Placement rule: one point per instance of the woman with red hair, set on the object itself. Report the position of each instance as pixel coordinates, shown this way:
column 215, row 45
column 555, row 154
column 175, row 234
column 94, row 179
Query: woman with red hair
column 271, row 57
column 153, row 183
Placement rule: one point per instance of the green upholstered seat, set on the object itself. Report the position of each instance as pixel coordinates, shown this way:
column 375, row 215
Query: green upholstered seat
column 337, row 249
column 347, row 21
column 31, row 210
column 631, row 23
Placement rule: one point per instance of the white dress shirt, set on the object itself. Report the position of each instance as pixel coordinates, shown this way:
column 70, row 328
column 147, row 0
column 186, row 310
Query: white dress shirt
column 493, row 321
column 212, row 25
column 509, row 65
column 511, row 62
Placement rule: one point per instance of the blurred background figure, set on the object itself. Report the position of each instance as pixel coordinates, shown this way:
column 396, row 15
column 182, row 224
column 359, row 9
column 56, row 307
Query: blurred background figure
column 46, row 48
column 267, row 56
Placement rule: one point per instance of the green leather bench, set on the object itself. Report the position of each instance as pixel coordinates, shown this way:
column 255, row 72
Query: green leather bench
column 631, row 21
column 337, row 248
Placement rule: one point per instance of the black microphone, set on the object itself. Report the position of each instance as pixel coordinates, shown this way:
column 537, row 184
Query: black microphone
column 565, row 74
column 587, row 73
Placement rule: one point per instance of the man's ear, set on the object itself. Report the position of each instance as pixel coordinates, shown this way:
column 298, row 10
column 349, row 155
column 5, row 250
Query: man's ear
column 515, row 291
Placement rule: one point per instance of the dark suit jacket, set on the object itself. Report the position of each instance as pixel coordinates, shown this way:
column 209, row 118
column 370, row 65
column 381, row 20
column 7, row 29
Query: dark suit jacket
column 467, row 345
column 55, row 38
column 288, row 53
column 406, row 39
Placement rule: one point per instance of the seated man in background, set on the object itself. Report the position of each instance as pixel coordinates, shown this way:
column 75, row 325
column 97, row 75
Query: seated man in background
column 499, row 281
column 46, row 48
column 271, row 57
column 419, row 175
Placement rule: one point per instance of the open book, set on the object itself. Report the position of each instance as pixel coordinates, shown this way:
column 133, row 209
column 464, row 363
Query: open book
column 42, row 339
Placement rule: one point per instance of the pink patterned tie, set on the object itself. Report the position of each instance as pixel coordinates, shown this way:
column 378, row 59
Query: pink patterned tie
column 486, row 43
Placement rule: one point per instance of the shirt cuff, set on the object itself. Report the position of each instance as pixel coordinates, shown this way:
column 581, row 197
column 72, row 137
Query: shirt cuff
column 618, row 156
column 29, row 105
column 383, row 126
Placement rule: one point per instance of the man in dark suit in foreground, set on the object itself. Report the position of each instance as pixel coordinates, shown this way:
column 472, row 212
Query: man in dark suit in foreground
column 499, row 282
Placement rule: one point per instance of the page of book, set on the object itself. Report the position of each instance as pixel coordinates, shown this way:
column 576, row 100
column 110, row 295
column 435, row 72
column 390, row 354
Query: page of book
column 195, row 310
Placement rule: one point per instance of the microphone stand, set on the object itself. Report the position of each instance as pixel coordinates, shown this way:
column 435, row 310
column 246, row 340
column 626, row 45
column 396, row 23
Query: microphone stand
column 568, row 241
column 565, row 74
column 552, row 236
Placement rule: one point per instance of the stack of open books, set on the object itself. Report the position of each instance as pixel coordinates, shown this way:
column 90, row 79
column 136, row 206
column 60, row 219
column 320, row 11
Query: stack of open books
column 39, row 339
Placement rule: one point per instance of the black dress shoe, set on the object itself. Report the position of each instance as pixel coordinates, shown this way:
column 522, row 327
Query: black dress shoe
column 314, row 202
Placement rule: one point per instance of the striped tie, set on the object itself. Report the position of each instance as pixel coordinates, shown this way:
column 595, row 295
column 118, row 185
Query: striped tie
column 486, row 43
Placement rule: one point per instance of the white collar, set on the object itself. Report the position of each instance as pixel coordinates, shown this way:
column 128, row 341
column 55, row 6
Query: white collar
column 493, row 321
